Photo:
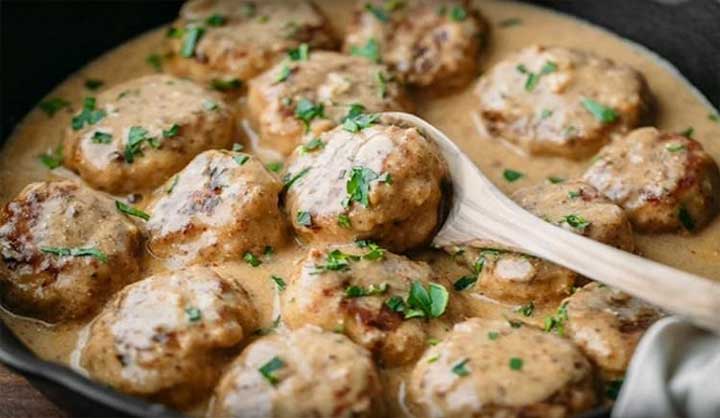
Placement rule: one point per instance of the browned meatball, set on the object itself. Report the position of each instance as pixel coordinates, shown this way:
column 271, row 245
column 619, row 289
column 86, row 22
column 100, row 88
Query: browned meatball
column 65, row 250
column 510, row 277
column 330, row 81
column 560, row 101
column 664, row 181
column 428, row 43
column 487, row 368
column 606, row 324
column 382, row 183
column 137, row 134
column 167, row 337
column 304, row 373
column 236, row 40
column 221, row 206
column 580, row 208
column 364, row 293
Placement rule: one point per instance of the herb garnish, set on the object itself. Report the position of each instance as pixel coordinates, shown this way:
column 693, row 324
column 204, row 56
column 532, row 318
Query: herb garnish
column 304, row 218
column 375, row 252
column 93, row 84
column 89, row 115
column 378, row 12
column 275, row 166
column 465, row 282
column 172, row 185
column 534, row 78
column 372, row 290
column 555, row 180
column 421, row 302
column 493, row 335
column 129, row 210
column 172, row 131
column 225, row 85
column 251, row 259
column 556, row 322
column 336, row 260
column 136, row 136
column 382, row 81
column 301, row 53
column 241, row 159
column 155, row 61
column 576, row 221
column 612, row 388
column 688, row 132
column 53, row 159
column 279, row 282
column 602, row 113
column 283, row 74
column 457, row 14
column 193, row 314
column 527, row 309
column 343, row 221
column 190, row 41
column 215, row 20
column 306, row 111
column 516, row 363
column 53, row 105
column 512, row 175
column 461, row 369
column 312, row 145
column 358, row 185
column 210, row 105
column 574, row 194
column 356, row 120
column 268, row 370
column 675, row 147
column 76, row 252
column 371, row 50
column 289, row 180
column 714, row 117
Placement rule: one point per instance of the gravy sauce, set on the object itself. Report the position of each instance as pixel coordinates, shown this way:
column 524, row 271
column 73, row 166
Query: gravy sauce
column 679, row 107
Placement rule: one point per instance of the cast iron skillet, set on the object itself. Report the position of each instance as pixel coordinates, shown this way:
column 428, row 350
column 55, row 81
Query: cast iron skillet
column 43, row 42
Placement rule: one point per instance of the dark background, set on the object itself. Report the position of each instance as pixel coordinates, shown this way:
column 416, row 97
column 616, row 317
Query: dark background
column 42, row 42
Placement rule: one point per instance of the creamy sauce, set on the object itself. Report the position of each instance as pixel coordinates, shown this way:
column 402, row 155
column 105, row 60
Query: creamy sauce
column 679, row 105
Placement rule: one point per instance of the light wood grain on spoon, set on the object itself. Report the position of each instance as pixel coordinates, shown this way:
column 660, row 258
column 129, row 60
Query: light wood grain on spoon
column 481, row 211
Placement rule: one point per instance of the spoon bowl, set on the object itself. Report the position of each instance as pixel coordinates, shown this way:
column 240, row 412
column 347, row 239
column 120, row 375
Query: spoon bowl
column 479, row 211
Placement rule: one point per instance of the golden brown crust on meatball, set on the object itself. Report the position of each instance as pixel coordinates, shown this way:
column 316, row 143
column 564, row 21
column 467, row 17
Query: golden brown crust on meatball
column 315, row 373
column 487, row 368
column 580, row 208
column 382, row 183
column 137, row 134
column 222, row 205
column 167, row 337
column 607, row 325
column 559, row 101
column 427, row 43
column 347, row 289
column 664, row 181
column 240, row 39
column 330, row 79
column 65, row 250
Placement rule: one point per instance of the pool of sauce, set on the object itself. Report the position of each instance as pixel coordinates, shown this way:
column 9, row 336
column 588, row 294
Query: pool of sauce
column 680, row 107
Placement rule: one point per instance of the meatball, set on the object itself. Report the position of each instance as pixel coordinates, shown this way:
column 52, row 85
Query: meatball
column 580, row 208
column 137, row 134
column 552, row 100
column 237, row 40
column 304, row 373
column 383, row 183
column 487, row 368
column 222, row 205
column 510, row 277
column 664, row 181
column 362, row 292
column 167, row 337
column 606, row 324
column 428, row 43
column 331, row 82
column 65, row 250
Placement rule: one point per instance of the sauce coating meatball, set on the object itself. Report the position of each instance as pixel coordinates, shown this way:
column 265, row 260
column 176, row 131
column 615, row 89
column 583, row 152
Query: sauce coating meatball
column 305, row 373
column 664, row 181
column 361, row 292
column 167, row 337
column 65, row 250
column 607, row 325
column 511, row 277
column 580, row 208
column 334, row 81
column 487, row 368
column 427, row 43
column 383, row 183
column 559, row 101
column 137, row 134
column 236, row 40
column 221, row 206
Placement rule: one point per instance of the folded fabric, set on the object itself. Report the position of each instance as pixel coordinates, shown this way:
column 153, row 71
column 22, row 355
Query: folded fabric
column 675, row 372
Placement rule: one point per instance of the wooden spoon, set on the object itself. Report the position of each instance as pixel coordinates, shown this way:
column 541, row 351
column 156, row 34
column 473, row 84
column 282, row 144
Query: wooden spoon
column 481, row 211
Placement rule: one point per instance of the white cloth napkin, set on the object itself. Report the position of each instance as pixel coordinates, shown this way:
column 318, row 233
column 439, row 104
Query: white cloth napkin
column 675, row 372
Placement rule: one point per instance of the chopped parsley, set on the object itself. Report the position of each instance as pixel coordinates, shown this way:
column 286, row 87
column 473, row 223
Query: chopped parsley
column 510, row 22
column 576, row 221
column 358, row 185
column 301, row 53
column 306, row 111
column 93, row 84
column 193, row 314
column 602, row 113
column 241, row 159
column 465, row 282
column 225, row 85
column 53, row 159
column 312, row 145
column 155, row 61
column 136, row 136
column 268, row 251
column 686, row 219
column 275, row 166
column 527, row 309
column 574, row 194
column 381, row 79
column 190, row 40
column 375, row 252
column 371, row 50
column 493, row 335
column 546, row 113
column 129, row 210
column 53, row 105
column 460, row 368
column 458, row 14
column 421, row 302
column 251, row 259
column 336, row 260
column 688, row 132
column 172, row 185
column 172, row 131
column 210, row 105
column 279, row 282
column 372, row 290
column 304, row 218
column 516, row 363
column 101, row 138
column 268, row 370
column 356, row 120
column 675, row 147
column 533, row 79
column 556, row 322
column 89, row 115
column 343, row 221
column 714, row 117
column 289, row 179
column 237, row 147
column 283, row 74
column 215, row 20
column 512, row 175
column 555, row 180
column 378, row 12
column 270, row 329
column 76, row 252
